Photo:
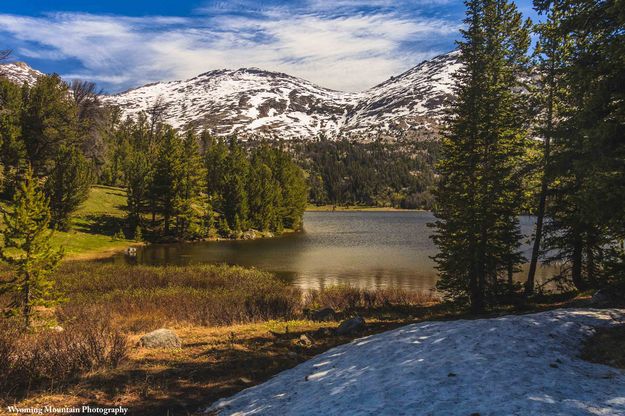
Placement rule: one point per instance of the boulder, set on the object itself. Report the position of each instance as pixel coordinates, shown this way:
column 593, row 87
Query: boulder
column 351, row 326
column 304, row 341
column 57, row 328
column 250, row 235
column 601, row 298
column 161, row 338
column 609, row 296
column 323, row 315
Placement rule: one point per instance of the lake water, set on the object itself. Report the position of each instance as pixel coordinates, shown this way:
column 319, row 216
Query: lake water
column 365, row 249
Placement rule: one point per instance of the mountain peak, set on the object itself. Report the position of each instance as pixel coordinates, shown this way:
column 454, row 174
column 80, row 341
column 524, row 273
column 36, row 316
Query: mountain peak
column 19, row 72
column 256, row 102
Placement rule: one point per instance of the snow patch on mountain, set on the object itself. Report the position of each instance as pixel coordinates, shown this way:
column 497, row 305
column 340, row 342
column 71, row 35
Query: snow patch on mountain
column 19, row 72
column 254, row 102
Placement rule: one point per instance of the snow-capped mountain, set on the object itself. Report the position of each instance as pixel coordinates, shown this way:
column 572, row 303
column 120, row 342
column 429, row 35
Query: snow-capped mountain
column 253, row 102
column 19, row 72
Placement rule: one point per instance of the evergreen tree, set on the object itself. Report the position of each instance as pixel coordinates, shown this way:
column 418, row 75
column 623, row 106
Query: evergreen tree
column 263, row 193
column 138, row 174
column 67, row 186
column 26, row 247
column 193, row 206
column 551, row 56
column 166, row 186
column 294, row 190
column 235, row 203
column 585, row 214
column 479, row 194
column 215, row 156
column 12, row 151
column 49, row 120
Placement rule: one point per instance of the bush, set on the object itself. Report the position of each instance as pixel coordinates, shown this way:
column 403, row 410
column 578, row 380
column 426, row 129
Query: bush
column 146, row 297
column 348, row 298
column 49, row 360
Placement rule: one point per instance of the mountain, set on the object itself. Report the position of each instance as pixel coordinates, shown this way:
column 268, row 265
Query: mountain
column 253, row 102
column 19, row 72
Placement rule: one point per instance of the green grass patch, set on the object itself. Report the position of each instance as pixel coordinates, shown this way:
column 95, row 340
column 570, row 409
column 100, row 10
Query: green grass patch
column 94, row 224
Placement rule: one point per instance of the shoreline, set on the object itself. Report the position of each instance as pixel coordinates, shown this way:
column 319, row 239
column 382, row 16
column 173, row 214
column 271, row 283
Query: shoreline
column 357, row 208
column 108, row 252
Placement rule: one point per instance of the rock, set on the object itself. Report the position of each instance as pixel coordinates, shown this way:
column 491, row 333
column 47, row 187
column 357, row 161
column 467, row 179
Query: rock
column 323, row 315
column 249, row 235
column 161, row 338
column 57, row 328
column 351, row 326
column 609, row 296
column 304, row 341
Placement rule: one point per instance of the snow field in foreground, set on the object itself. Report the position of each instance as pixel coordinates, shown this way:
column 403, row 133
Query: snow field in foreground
column 512, row 365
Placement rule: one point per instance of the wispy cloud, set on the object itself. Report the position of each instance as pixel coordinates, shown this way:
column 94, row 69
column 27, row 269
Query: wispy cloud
column 346, row 44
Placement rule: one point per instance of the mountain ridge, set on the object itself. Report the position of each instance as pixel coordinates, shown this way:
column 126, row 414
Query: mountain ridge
column 252, row 102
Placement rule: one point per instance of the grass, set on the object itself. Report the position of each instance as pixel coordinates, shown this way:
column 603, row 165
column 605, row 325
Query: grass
column 238, row 327
column 94, row 225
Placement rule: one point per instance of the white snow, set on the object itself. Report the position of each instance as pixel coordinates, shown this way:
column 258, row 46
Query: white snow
column 255, row 102
column 513, row 365
column 19, row 72
column 249, row 101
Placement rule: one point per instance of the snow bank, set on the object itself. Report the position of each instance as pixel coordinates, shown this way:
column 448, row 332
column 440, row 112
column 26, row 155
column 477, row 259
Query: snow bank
column 514, row 365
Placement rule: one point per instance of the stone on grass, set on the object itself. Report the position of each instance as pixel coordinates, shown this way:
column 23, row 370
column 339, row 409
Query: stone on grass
column 161, row 338
column 351, row 326
column 323, row 315
column 304, row 341
column 609, row 296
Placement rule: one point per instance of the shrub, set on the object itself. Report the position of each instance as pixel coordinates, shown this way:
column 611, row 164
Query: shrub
column 145, row 297
column 49, row 360
column 348, row 298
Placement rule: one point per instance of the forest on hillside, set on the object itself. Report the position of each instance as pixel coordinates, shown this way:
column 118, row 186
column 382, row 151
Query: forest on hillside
column 179, row 185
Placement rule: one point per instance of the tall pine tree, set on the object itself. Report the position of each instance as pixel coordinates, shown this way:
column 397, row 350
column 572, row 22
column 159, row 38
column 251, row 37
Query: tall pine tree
column 479, row 195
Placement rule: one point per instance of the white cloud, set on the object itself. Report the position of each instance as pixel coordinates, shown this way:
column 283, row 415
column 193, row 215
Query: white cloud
column 348, row 52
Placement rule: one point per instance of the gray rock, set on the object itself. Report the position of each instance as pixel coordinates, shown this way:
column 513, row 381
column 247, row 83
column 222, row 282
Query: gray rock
column 249, row 235
column 601, row 298
column 304, row 341
column 323, row 315
column 351, row 326
column 161, row 338
column 609, row 296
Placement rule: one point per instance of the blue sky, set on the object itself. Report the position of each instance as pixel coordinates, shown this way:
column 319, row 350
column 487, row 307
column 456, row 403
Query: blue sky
column 347, row 45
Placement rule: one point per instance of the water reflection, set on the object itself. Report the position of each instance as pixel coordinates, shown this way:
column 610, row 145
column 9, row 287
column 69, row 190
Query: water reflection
column 365, row 249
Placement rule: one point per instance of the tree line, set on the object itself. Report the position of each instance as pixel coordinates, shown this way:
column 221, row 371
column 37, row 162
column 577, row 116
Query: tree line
column 348, row 172
column 549, row 123
column 191, row 186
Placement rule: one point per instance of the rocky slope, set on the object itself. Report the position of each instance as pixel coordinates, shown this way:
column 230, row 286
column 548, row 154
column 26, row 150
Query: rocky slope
column 253, row 102
column 19, row 72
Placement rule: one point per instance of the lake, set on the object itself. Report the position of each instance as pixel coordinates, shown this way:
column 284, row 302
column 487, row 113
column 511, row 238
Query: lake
column 365, row 249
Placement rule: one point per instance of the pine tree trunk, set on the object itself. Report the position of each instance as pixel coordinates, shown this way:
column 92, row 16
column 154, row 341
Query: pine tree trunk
column 544, row 185
column 26, row 309
column 576, row 270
